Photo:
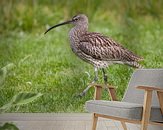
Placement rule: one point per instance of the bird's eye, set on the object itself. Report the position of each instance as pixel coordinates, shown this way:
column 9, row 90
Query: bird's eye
column 76, row 19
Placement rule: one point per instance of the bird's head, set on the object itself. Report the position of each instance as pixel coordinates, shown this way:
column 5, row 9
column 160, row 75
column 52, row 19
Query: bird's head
column 77, row 20
column 80, row 20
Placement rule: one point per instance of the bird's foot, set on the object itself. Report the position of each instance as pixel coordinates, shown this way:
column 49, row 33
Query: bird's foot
column 79, row 95
column 82, row 94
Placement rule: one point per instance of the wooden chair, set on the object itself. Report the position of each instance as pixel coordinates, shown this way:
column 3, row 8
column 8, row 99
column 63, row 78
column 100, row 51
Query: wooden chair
column 142, row 103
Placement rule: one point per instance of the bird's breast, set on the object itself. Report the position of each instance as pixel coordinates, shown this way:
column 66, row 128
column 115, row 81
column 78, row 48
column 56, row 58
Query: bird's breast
column 74, row 40
column 75, row 36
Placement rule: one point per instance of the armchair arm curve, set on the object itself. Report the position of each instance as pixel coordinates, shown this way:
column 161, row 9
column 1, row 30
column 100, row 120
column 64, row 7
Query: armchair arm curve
column 150, row 88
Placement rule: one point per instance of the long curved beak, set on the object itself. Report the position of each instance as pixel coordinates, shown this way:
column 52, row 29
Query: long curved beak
column 67, row 22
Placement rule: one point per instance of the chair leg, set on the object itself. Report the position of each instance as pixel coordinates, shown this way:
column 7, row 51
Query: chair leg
column 146, row 109
column 124, row 125
column 144, row 126
column 94, row 123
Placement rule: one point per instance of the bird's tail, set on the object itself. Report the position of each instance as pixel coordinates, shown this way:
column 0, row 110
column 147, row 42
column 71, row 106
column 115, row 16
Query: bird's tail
column 133, row 64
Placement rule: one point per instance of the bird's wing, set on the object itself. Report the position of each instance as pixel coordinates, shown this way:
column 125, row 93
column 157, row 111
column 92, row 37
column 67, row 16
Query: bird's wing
column 103, row 48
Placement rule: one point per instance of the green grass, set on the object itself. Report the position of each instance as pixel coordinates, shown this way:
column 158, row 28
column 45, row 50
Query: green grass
column 46, row 64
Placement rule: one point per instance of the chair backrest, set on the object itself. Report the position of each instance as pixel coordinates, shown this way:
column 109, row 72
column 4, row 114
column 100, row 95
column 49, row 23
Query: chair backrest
column 147, row 77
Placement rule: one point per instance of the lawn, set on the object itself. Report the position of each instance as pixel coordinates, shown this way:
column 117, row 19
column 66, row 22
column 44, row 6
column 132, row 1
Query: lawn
column 46, row 64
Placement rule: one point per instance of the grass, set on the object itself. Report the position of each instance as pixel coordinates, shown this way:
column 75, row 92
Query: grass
column 46, row 64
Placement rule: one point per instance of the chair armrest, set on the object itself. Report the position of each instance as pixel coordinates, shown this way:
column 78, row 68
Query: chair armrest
column 98, row 91
column 148, row 100
column 149, row 88
column 101, row 85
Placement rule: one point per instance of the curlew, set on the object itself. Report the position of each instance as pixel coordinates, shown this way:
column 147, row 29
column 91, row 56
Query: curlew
column 97, row 49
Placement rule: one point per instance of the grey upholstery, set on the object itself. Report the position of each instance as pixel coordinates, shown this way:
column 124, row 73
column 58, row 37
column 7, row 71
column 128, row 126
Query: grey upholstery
column 125, row 110
column 132, row 104
column 116, row 109
column 147, row 77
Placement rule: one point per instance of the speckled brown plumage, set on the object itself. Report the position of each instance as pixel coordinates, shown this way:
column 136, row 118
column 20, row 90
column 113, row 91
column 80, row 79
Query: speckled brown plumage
column 102, row 51
column 97, row 49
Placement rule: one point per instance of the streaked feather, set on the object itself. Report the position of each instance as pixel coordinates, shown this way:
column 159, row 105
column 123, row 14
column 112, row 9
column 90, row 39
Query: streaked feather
column 105, row 49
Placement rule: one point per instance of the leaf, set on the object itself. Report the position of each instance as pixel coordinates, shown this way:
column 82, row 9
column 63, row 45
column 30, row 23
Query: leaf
column 24, row 98
column 8, row 126
column 20, row 99
column 9, row 66
column 4, row 71
column 5, row 107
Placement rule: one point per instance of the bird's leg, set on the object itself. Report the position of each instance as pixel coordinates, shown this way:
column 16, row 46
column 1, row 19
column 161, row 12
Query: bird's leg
column 89, row 86
column 105, row 77
column 96, row 75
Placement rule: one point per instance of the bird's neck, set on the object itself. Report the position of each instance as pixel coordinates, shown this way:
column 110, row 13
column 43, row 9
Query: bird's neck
column 77, row 31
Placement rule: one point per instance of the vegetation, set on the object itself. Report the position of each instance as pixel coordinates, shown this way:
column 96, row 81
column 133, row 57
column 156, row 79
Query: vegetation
column 45, row 64
column 8, row 126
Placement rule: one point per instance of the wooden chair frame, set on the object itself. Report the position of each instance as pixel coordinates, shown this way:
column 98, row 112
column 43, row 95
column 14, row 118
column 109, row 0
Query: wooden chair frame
column 146, row 106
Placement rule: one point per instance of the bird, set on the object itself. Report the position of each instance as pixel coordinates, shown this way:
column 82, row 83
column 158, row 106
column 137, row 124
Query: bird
column 97, row 49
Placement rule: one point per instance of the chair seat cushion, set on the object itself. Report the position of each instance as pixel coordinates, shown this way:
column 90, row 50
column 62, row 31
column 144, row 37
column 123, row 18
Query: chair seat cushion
column 125, row 110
